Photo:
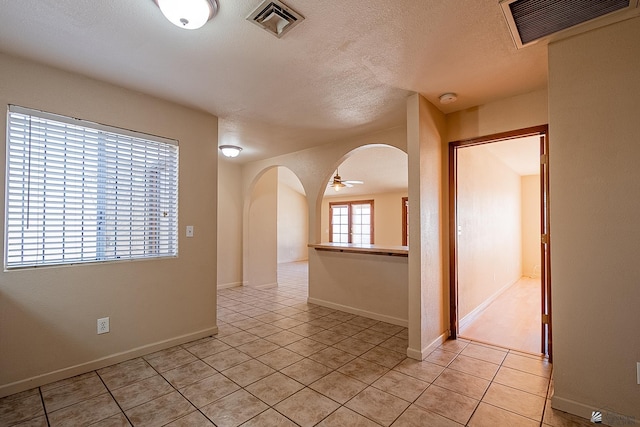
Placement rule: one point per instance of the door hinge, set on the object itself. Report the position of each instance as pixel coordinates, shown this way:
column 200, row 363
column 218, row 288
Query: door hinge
column 544, row 159
column 545, row 319
column 544, row 238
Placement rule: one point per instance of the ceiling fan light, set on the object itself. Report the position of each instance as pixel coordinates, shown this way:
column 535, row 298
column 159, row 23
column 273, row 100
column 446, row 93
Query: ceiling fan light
column 230, row 150
column 188, row 14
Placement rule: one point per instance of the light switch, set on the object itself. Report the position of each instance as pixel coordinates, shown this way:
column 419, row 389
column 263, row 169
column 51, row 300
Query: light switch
column 189, row 230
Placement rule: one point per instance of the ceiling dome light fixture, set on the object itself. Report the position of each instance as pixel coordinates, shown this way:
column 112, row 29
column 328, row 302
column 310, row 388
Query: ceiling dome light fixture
column 448, row 98
column 188, row 14
column 230, row 150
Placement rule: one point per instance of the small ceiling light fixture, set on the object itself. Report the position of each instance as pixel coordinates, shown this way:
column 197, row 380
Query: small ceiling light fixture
column 230, row 150
column 188, row 14
column 448, row 98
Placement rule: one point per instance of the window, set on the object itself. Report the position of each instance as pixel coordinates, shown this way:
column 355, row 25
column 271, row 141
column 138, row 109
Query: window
column 82, row 192
column 351, row 222
column 405, row 221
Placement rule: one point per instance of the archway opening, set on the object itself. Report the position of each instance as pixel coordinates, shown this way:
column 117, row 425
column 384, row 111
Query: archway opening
column 277, row 230
column 371, row 206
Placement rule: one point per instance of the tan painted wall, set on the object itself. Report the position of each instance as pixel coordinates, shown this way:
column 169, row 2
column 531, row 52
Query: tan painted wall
column 489, row 228
column 374, row 286
column 293, row 221
column 263, row 229
column 387, row 217
column 594, row 102
column 230, row 200
column 428, row 278
column 48, row 315
column 530, row 185
column 517, row 112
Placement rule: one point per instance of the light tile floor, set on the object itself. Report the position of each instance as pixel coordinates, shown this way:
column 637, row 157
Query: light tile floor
column 278, row 361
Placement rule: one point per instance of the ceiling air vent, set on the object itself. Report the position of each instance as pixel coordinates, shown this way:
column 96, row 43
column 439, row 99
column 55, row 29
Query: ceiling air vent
column 275, row 17
column 533, row 20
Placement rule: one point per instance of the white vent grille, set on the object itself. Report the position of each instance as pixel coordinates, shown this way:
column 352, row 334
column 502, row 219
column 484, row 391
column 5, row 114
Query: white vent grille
column 534, row 20
column 275, row 17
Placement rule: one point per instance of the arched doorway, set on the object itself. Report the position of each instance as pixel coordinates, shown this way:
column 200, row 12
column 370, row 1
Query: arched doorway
column 277, row 227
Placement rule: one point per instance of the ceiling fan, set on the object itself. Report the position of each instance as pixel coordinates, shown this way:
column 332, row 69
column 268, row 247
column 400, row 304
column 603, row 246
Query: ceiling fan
column 337, row 183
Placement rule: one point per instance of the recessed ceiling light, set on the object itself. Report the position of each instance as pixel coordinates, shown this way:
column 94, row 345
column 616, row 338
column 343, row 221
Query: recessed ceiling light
column 448, row 98
column 188, row 14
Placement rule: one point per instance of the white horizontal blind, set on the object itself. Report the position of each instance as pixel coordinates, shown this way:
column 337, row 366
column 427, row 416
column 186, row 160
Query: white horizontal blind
column 82, row 192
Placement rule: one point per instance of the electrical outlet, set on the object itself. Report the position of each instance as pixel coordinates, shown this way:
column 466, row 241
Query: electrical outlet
column 189, row 230
column 103, row 325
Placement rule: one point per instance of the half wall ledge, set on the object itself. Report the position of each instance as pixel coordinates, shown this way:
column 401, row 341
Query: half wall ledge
column 402, row 251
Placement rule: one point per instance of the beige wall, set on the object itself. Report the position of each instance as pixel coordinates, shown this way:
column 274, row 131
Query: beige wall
column 428, row 298
column 517, row 112
column 594, row 102
column 373, row 286
column 230, row 200
column 261, row 265
column 489, row 228
column 48, row 315
column 387, row 217
column 530, row 185
column 293, row 220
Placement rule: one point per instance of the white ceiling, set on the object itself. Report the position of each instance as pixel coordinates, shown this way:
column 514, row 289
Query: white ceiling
column 382, row 169
column 346, row 70
column 522, row 155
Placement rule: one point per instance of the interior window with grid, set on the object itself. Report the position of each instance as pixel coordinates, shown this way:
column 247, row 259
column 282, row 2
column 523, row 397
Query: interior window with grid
column 81, row 192
column 351, row 222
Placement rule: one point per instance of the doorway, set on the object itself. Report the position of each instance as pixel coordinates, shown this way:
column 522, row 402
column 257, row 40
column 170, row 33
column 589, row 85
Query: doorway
column 499, row 239
column 276, row 230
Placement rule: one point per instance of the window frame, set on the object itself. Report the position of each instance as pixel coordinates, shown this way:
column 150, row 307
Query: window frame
column 141, row 196
column 349, row 205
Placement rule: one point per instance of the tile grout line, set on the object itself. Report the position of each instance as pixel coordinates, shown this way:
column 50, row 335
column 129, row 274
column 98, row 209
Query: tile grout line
column 44, row 408
column 176, row 389
column 114, row 399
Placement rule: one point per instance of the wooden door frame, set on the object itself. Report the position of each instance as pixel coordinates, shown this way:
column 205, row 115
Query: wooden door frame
column 543, row 132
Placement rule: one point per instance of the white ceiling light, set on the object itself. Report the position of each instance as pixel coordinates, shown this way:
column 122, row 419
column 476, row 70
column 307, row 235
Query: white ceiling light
column 230, row 150
column 188, row 14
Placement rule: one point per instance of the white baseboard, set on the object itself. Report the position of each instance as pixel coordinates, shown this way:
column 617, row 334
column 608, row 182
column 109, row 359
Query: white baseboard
column 473, row 314
column 609, row 417
column 571, row 407
column 422, row 354
column 359, row 312
column 294, row 261
column 229, row 285
column 82, row 368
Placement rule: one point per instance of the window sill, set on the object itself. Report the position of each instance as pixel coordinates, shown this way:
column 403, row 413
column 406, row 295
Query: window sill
column 402, row 251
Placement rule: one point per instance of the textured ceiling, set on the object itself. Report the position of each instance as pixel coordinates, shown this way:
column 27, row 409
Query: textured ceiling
column 346, row 70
